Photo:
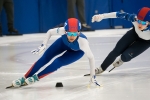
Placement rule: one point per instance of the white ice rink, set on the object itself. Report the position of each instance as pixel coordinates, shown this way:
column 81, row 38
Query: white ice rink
column 131, row 81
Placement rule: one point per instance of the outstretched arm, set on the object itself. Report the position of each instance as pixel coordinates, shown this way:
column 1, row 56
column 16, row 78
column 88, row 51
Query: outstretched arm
column 49, row 33
column 122, row 15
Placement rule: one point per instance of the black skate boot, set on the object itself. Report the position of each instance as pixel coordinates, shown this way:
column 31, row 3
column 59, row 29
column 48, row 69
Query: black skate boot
column 118, row 63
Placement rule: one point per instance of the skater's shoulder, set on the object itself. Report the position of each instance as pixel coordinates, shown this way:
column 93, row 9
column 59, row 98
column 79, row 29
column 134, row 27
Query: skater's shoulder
column 82, row 40
column 82, row 36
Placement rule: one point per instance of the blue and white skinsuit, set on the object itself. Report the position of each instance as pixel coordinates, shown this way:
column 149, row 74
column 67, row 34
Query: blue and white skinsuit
column 73, row 52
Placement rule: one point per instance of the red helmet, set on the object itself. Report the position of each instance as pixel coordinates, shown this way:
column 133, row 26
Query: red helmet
column 144, row 14
column 72, row 24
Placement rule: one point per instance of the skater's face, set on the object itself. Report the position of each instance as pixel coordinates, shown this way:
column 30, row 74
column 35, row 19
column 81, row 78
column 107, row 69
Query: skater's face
column 72, row 36
column 142, row 24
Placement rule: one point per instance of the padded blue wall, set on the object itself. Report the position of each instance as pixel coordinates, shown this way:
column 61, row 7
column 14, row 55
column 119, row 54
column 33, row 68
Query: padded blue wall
column 52, row 13
column 33, row 16
column 94, row 7
column 26, row 16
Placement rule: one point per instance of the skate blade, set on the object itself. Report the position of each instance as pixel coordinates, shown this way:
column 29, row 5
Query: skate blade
column 89, row 86
column 112, row 69
column 87, row 75
column 15, row 87
column 9, row 87
column 90, row 74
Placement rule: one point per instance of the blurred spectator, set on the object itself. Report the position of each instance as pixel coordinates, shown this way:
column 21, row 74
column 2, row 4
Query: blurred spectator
column 8, row 6
column 79, row 4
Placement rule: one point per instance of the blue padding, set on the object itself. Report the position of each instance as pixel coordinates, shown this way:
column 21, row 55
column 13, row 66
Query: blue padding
column 52, row 13
column 33, row 16
column 27, row 15
column 93, row 7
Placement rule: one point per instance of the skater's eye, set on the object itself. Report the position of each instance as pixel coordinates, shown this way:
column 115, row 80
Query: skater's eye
column 72, row 33
column 142, row 22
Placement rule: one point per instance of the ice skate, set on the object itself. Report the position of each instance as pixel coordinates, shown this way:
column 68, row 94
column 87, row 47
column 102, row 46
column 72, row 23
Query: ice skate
column 18, row 83
column 31, row 80
column 97, row 71
column 118, row 63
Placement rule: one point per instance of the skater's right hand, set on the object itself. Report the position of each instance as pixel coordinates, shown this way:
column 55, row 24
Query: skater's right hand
column 40, row 49
column 97, row 18
column 93, row 80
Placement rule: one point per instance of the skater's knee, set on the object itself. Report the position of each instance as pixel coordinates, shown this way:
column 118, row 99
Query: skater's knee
column 57, row 62
column 126, row 57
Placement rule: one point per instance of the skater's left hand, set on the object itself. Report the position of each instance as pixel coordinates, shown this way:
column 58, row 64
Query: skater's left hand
column 93, row 80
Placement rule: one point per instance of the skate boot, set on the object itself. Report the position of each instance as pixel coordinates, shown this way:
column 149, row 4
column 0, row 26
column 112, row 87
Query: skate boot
column 98, row 70
column 118, row 63
column 31, row 80
column 19, row 82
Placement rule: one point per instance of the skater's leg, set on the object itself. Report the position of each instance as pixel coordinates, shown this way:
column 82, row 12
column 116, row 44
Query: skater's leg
column 67, row 58
column 56, row 48
column 134, row 50
column 120, row 47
